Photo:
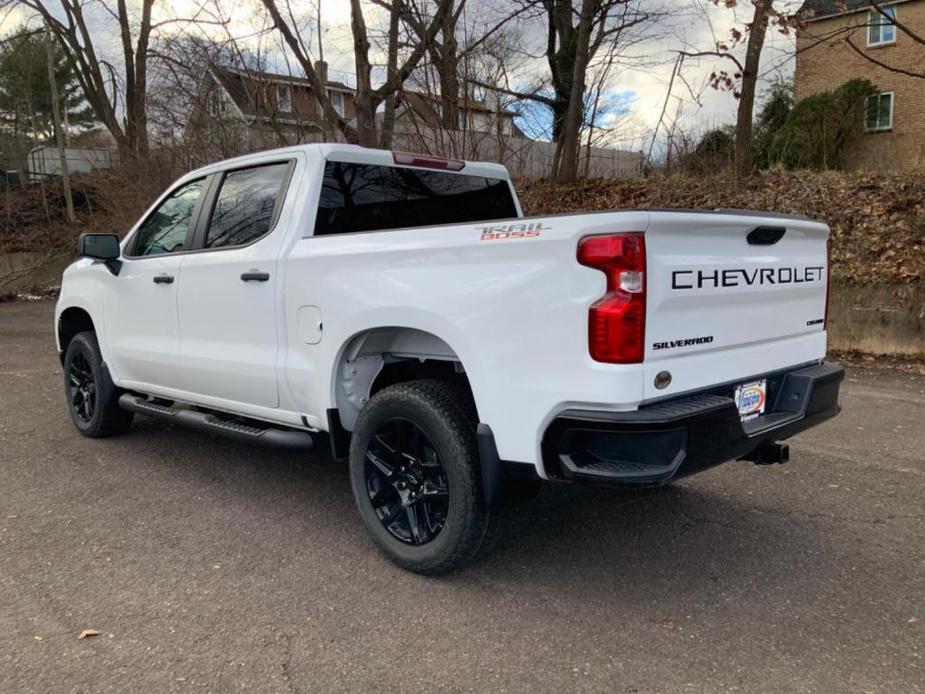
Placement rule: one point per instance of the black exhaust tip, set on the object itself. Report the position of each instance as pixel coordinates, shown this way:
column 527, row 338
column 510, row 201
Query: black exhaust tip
column 770, row 454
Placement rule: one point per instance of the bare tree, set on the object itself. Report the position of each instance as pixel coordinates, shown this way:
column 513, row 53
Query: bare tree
column 59, row 130
column 443, row 50
column 566, row 168
column 293, row 41
column 610, row 21
column 744, row 152
column 367, row 98
column 573, row 38
column 743, row 82
column 100, row 81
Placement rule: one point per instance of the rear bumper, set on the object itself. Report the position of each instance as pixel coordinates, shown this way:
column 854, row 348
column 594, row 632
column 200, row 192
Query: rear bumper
column 679, row 437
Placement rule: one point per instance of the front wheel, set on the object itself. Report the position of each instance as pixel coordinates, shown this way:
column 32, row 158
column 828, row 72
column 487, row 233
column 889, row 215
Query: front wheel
column 92, row 397
column 414, row 469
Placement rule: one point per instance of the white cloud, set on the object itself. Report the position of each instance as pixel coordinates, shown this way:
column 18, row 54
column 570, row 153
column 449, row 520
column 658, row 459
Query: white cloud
column 11, row 19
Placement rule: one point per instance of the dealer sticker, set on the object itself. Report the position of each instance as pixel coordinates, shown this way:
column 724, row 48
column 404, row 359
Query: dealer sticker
column 751, row 399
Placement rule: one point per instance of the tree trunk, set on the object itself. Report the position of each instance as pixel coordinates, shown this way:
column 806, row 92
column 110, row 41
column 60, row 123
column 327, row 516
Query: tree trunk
column 744, row 152
column 388, row 116
column 316, row 83
column 140, row 105
column 365, row 105
column 59, row 133
column 571, row 128
column 448, row 69
column 560, row 54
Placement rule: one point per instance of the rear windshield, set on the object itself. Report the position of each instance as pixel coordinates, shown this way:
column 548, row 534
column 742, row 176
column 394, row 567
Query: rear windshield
column 365, row 197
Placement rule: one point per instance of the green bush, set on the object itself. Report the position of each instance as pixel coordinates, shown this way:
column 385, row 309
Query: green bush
column 713, row 153
column 820, row 128
column 771, row 119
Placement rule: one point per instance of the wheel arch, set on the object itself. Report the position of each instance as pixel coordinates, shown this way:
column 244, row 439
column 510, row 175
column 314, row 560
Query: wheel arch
column 72, row 321
column 374, row 358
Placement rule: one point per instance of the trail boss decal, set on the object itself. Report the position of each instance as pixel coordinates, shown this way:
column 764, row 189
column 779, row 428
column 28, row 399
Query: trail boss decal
column 739, row 277
column 688, row 342
column 511, row 231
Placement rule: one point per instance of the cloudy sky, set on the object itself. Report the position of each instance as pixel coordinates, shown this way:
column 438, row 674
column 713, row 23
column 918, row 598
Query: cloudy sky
column 639, row 83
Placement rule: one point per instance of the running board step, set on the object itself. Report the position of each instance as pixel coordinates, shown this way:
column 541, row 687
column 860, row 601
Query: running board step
column 249, row 431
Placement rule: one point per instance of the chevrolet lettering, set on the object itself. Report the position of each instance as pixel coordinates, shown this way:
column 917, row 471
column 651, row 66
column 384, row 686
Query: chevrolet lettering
column 738, row 277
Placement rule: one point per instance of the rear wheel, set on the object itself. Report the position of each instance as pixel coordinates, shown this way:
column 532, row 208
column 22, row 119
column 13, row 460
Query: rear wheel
column 92, row 397
column 414, row 470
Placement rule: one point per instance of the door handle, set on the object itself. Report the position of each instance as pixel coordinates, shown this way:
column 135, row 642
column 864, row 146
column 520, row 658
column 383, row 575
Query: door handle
column 163, row 279
column 254, row 276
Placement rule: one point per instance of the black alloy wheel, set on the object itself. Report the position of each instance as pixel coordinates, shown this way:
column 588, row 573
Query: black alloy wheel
column 82, row 388
column 92, row 397
column 414, row 470
column 407, row 482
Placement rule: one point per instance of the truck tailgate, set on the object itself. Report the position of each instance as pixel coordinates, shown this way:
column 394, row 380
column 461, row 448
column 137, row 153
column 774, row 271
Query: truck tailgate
column 729, row 284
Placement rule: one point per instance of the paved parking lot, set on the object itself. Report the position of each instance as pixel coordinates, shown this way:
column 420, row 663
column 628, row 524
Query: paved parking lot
column 213, row 566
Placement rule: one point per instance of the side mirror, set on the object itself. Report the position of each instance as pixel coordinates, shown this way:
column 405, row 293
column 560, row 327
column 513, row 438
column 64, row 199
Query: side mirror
column 98, row 246
column 101, row 247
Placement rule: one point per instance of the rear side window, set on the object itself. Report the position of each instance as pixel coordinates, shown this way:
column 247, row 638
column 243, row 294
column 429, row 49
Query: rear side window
column 245, row 205
column 365, row 197
column 165, row 229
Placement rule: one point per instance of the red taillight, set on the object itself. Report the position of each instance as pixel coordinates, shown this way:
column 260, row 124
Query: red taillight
column 828, row 281
column 409, row 159
column 617, row 321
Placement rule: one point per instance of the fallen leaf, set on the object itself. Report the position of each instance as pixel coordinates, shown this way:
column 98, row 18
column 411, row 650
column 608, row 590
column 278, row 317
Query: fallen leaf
column 87, row 633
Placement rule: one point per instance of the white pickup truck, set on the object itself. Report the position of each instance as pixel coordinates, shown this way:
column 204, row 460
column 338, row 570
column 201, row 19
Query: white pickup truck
column 456, row 352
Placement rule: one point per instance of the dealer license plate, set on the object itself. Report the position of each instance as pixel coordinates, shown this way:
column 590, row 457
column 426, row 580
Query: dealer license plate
column 751, row 399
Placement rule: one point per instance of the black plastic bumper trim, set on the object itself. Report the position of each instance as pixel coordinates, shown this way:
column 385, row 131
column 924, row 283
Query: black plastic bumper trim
column 798, row 399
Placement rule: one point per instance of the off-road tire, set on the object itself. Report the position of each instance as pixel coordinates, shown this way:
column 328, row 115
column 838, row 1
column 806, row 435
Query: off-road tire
column 107, row 419
column 436, row 408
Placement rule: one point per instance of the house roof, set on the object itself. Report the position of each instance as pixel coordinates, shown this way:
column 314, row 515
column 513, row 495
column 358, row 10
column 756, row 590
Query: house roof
column 262, row 76
column 820, row 9
column 233, row 81
column 427, row 106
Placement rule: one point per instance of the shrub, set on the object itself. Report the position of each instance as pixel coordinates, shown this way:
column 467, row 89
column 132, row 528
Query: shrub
column 713, row 153
column 819, row 129
column 770, row 121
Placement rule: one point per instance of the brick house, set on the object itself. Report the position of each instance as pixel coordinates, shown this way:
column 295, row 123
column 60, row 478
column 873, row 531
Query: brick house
column 840, row 40
column 232, row 103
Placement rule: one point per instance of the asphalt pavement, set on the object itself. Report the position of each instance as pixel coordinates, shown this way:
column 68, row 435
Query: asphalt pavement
column 211, row 566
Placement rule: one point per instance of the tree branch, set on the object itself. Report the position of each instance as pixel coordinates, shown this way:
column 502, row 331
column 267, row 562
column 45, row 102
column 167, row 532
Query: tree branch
column 891, row 68
column 539, row 98
column 715, row 54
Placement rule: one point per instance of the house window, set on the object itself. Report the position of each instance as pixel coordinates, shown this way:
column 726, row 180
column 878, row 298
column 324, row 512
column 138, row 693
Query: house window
column 880, row 26
column 879, row 112
column 215, row 102
column 284, row 98
column 337, row 102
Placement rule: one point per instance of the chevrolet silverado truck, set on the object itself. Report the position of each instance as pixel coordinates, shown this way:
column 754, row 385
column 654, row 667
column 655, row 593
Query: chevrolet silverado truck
column 402, row 310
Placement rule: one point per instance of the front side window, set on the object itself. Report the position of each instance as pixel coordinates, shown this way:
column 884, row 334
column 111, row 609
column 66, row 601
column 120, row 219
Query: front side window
column 244, row 207
column 879, row 112
column 166, row 229
column 365, row 197
column 880, row 26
